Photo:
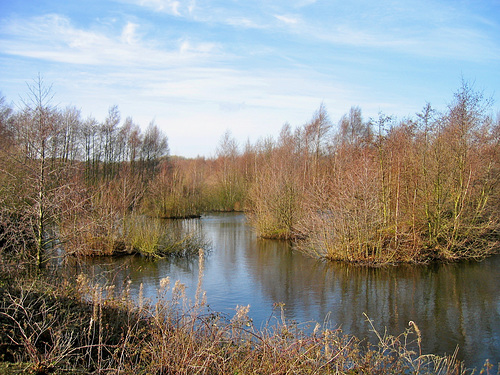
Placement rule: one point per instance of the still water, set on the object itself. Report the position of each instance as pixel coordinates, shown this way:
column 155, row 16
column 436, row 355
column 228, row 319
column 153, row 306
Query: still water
column 452, row 304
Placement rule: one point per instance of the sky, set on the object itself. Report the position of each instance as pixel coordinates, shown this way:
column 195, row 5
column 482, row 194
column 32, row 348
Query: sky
column 199, row 68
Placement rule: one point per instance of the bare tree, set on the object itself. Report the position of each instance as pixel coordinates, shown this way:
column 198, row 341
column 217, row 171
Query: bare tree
column 6, row 116
column 229, row 185
column 89, row 138
column 36, row 129
column 109, row 130
column 316, row 137
column 353, row 131
column 70, row 133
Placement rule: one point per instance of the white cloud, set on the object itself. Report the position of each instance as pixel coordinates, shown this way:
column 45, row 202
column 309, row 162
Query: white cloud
column 243, row 22
column 232, row 107
column 179, row 8
column 129, row 33
column 187, row 46
column 416, row 27
column 192, row 6
column 434, row 41
column 290, row 20
column 302, row 3
column 183, row 76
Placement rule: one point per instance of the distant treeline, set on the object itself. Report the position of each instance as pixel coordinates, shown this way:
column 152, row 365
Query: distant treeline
column 376, row 191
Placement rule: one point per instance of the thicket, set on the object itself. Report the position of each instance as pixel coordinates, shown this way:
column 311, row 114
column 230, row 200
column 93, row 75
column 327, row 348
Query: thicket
column 384, row 190
column 85, row 186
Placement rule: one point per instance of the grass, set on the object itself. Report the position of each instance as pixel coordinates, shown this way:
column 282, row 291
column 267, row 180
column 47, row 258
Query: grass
column 56, row 324
column 159, row 238
column 132, row 234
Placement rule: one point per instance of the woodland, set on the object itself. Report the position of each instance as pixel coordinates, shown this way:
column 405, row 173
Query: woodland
column 380, row 191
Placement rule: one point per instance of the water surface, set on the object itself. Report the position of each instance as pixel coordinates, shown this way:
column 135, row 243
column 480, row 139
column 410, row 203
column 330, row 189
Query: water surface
column 452, row 304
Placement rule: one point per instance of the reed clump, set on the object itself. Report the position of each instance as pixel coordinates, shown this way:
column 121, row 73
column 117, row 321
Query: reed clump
column 158, row 237
column 81, row 327
column 130, row 234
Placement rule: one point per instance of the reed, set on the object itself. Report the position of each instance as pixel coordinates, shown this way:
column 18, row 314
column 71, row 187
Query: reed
column 143, row 235
column 158, row 237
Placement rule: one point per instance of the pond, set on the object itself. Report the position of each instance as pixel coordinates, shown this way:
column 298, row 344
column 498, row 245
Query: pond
column 452, row 304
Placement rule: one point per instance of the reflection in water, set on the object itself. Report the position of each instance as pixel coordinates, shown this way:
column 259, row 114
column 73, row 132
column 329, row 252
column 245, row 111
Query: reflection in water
column 452, row 304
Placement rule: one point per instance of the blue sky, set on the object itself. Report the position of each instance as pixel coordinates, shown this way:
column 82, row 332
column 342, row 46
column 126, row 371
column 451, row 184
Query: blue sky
column 201, row 67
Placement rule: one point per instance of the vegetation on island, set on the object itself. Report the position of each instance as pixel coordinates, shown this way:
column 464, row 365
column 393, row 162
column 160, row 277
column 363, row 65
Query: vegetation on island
column 386, row 190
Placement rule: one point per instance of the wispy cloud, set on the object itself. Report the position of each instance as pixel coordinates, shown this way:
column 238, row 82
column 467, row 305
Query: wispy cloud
column 436, row 40
column 129, row 34
column 169, row 6
column 243, row 22
column 302, row 3
column 54, row 38
column 421, row 28
column 173, row 7
column 188, row 47
column 290, row 20
column 249, row 65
